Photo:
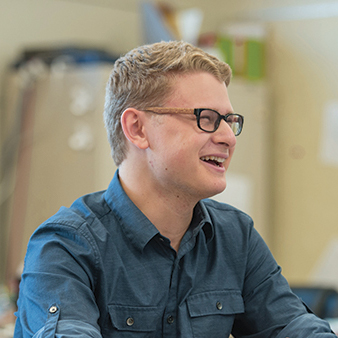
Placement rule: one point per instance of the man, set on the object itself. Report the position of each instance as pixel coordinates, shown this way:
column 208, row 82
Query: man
column 151, row 256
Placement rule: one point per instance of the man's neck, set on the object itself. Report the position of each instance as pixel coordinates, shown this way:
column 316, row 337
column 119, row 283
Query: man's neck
column 170, row 213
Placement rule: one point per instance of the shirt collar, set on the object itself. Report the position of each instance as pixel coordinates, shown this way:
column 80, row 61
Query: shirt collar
column 203, row 221
column 137, row 227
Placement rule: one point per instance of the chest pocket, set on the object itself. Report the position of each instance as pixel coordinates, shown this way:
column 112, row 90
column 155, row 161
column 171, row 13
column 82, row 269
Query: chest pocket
column 134, row 321
column 212, row 313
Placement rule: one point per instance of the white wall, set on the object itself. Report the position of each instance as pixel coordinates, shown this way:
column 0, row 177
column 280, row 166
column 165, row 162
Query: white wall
column 39, row 23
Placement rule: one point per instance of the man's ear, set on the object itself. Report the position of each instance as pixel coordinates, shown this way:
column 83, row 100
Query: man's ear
column 132, row 121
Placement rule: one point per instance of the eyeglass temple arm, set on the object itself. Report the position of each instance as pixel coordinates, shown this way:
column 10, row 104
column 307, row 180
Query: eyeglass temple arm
column 163, row 110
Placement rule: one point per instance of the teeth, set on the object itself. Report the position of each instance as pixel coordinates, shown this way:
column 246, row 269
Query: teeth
column 213, row 158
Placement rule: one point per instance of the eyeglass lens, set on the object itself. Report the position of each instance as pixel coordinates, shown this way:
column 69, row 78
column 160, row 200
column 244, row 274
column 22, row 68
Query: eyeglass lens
column 209, row 120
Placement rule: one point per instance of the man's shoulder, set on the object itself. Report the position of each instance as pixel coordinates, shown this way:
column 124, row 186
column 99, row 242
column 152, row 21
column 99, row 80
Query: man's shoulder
column 224, row 209
column 86, row 209
column 227, row 220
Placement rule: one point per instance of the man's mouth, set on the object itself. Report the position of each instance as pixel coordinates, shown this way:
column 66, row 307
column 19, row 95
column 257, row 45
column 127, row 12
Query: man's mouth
column 214, row 160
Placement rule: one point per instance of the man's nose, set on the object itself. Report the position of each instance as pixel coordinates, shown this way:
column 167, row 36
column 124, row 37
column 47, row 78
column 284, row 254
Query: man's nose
column 225, row 135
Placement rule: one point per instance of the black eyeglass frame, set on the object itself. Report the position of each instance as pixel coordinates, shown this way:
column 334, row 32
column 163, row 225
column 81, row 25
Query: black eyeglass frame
column 197, row 112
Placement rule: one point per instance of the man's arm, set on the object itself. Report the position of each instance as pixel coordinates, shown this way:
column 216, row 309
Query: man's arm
column 271, row 309
column 56, row 291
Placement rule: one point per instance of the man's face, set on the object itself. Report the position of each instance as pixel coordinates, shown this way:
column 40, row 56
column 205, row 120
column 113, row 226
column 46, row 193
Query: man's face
column 183, row 159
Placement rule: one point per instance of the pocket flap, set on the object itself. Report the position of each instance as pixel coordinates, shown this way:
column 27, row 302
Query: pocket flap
column 223, row 302
column 134, row 318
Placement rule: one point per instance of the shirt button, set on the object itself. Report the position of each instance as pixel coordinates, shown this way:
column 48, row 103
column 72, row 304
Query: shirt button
column 219, row 305
column 53, row 309
column 130, row 321
column 170, row 319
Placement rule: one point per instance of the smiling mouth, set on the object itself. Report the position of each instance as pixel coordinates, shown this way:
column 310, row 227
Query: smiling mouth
column 214, row 160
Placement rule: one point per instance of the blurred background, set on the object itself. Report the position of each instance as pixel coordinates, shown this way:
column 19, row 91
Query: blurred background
column 55, row 59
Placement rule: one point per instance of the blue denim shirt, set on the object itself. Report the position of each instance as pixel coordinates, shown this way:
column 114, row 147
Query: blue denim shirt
column 101, row 269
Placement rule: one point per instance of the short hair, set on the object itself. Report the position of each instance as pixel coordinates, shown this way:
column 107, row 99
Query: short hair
column 143, row 78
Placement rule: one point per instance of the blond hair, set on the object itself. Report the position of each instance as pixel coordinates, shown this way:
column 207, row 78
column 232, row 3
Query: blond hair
column 144, row 77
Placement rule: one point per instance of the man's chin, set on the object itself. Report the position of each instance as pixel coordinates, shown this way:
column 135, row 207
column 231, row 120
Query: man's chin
column 216, row 191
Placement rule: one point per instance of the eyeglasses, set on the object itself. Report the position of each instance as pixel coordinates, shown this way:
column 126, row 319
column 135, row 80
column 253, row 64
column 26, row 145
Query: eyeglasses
column 208, row 120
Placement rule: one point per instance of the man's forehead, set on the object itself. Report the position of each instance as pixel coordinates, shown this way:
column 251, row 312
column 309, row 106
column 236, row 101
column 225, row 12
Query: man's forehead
column 201, row 88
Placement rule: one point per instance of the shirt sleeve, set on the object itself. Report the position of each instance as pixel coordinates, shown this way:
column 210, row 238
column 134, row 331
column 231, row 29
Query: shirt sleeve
column 58, row 283
column 271, row 309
